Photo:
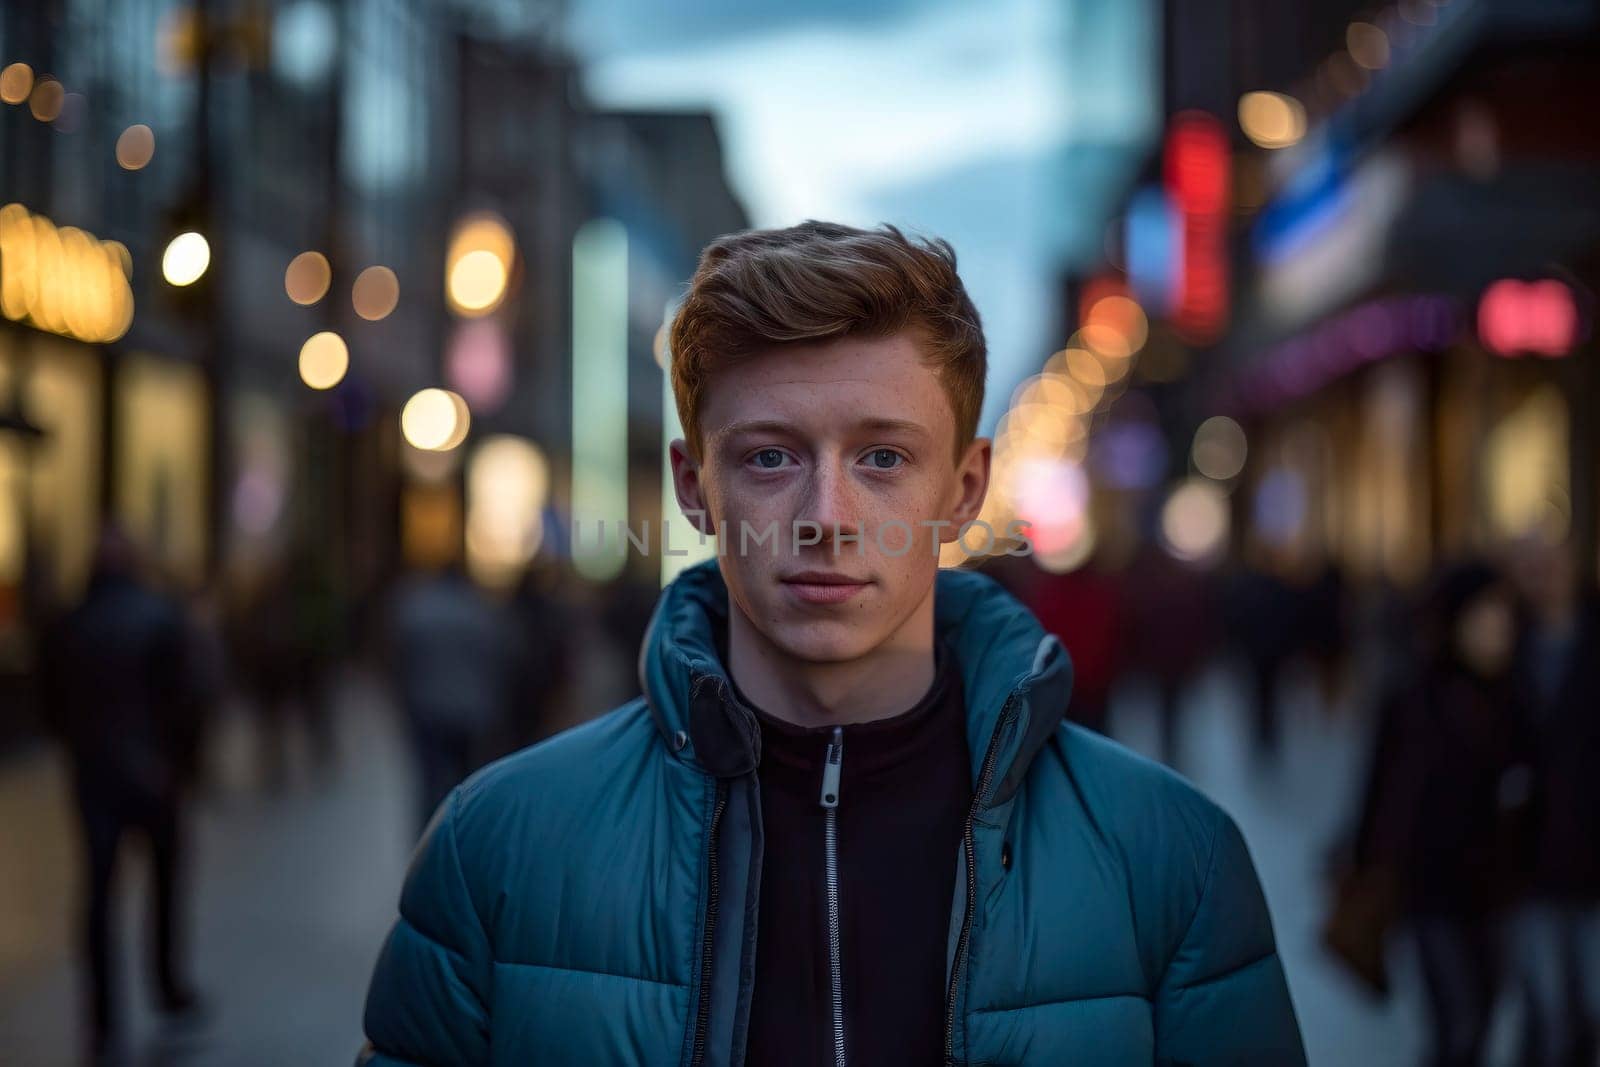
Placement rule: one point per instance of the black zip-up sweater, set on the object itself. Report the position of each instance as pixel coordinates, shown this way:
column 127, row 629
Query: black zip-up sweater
column 904, row 793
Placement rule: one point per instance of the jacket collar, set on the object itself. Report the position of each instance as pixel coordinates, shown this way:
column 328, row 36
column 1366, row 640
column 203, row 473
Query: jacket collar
column 1010, row 670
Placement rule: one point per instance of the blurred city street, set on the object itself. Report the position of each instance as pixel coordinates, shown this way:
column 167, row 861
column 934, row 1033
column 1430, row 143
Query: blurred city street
column 333, row 331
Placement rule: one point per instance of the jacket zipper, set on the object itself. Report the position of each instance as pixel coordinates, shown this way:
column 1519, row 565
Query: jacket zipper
column 703, row 1018
column 830, row 859
column 971, row 846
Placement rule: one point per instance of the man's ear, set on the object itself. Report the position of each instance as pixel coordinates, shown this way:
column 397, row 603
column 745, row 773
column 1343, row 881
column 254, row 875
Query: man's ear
column 687, row 486
column 972, row 485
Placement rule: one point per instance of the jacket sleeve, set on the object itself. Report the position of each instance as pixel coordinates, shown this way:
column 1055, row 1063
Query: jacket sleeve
column 1223, row 998
column 427, row 1005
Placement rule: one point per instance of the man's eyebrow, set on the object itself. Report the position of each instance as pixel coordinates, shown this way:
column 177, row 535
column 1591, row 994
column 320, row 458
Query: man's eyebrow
column 876, row 424
column 777, row 426
column 888, row 425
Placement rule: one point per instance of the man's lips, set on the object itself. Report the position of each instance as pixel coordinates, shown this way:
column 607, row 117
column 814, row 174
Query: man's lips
column 824, row 587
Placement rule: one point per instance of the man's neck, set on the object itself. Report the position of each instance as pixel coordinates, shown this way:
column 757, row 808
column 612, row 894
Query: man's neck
column 885, row 682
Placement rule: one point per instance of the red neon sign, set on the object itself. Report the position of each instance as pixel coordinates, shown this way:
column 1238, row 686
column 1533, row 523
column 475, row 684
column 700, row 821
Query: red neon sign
column 1538, row 317
column 1196, row 166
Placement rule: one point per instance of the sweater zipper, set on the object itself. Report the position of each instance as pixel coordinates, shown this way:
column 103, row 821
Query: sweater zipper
column 971, row 847
column 707, row 948
column 830, row 861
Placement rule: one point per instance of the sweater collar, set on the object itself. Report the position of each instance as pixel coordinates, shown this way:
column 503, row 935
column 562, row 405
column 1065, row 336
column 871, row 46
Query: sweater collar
column 1013, row 675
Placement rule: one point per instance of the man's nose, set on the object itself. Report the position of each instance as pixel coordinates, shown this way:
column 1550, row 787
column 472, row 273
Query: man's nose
column 830, row 501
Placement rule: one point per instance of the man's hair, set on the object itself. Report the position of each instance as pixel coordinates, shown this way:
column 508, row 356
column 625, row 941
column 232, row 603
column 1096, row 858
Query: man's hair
column 821, row 281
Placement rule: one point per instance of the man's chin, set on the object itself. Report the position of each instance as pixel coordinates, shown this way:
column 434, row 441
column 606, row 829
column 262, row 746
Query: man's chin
column 822, row 641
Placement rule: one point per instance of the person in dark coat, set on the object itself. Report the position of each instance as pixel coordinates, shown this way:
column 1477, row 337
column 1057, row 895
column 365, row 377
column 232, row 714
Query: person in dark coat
column 114, row 685
column 1556, row 929
column 1166, row 611
column 1445, row 765
column 456, row 658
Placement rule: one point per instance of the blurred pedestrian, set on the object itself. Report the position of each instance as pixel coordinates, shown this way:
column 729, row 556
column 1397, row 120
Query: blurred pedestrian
column 1169, row 630
column 544, row 663
column 1083, row 607
column 1555, row 932
column 454, row 655
column 1264, row 620
column 115, row 675
column 1435, row 817
column 281, row 639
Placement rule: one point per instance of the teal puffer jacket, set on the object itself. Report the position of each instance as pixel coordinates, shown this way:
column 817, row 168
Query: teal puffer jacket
column 592, row 899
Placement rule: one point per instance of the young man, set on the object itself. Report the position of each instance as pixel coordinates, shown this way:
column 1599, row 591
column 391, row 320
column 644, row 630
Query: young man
column 847, row 822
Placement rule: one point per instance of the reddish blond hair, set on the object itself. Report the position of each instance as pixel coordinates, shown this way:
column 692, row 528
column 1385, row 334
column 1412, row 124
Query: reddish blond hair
column 822, row 281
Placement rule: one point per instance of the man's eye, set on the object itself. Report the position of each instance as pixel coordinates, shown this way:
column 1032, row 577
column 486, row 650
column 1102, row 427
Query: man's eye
column 884, row 458
column 769, row 458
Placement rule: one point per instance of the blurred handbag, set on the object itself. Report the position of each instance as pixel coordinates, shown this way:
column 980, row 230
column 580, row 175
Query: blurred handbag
column 1365, row 904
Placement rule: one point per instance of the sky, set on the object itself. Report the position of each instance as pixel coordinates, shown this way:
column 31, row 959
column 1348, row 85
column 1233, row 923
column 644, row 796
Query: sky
column 1006, row 127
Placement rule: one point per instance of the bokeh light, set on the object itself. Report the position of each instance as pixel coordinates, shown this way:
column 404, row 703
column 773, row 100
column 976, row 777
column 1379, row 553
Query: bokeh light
column 478, row 265
column 324, row 359
column 508, row 482
column 47, row 99
column 435, row 420
column 478, row 364
column 1194, row 521
column 376, row 293
column 1053, row 497
column 62, row 279
column 307, row 278
column 1219, row 449
column 1086, row 369
column 1122, row 316
column 16, row 82
column 186, row 259
column 1272, row 120
column 135, row 147
column 1368, row 44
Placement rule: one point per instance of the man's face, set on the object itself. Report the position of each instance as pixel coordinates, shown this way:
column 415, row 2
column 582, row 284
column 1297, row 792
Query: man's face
column 842, row 439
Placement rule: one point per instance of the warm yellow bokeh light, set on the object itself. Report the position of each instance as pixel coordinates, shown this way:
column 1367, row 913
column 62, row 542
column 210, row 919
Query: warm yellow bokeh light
column 508, row 483
column 1122, row 315
column 136, row 147
column 477, row 281
column 324, row 359
column 1059, row 365
column 1085, row 369
column 1050, row 426
column 463, row 420
column 62, row 279
column 478, row 264
column 46, row 100
column 375, row 293
column 16, row 82
column 1105, row 341
column 186, row 259
column 1272, row 120
column 435, row 420
column 1051, row 388
column 307, row 278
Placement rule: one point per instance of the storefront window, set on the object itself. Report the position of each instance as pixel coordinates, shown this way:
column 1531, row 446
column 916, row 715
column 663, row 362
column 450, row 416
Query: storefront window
column 1526, row 480
column 163, row 469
